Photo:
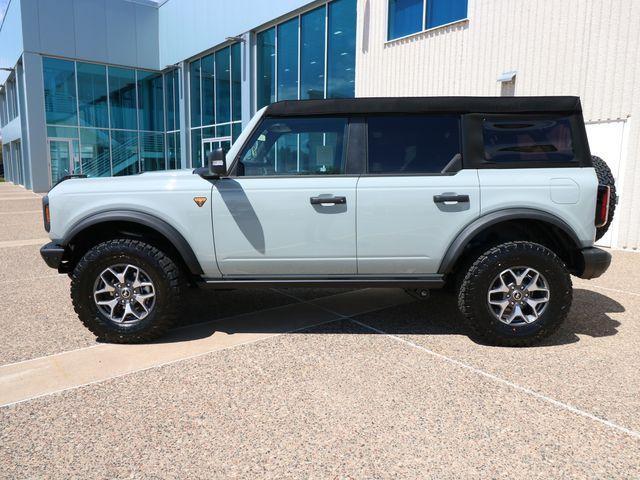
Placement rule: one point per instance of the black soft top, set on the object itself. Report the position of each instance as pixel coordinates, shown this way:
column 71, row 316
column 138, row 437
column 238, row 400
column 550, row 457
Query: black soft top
column 373, row 105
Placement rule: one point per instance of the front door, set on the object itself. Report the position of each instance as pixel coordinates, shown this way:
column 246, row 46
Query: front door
column 62, row 158
column 414, row 199
column 289, row 208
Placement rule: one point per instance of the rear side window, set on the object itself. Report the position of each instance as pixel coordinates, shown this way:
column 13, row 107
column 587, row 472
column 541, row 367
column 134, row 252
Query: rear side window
column 413, row 144
column 528, row 140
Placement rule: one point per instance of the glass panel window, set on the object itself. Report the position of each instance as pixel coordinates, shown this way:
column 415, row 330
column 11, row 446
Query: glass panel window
column 441, row 12
column 236, row 75
column 3, row 112
column 296, row 146
column 288, row 60
column 62, row 132
column 266, row 67
column 196, row 147
column 92, row 95
column 342, row 49
column 94, row 152
column 171, row 151
column 405, row 18
column 208, row 90
column 223, row 86
column 59, row 92
column 122, row 98
column 528, row 140
column 124, row 152
column 236, row 130
column 412, row 144
column 312, row 54
column 169, row 107
column 150, row 101
column 176, row 97
column 152, row 151
column 194, row 91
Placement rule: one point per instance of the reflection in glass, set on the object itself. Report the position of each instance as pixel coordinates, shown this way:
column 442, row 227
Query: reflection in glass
column 312, row 54
column 405, row 17
column 150, row 101
column 223, row 86
column 124, row 153
column 92, row 95
column 171, row 151
column 288, row 60
column 169, row 108
column 208, row 90
column 122, row 98
column 342, row 49
column 194, row 91
column 196, row 148
column 152, row 151
column 236, row 92
column 94, row 152
column 59, row 92
column 266, row 67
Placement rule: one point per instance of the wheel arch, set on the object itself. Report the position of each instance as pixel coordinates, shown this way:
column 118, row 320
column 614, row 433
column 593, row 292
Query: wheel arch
column 542, row 227
column 139, row 223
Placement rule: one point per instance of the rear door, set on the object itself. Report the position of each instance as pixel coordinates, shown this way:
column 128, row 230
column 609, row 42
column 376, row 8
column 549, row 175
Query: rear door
column 290, row 208
column 414, row 198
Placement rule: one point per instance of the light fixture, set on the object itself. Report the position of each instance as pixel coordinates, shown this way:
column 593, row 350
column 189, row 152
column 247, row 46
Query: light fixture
column 8, row 69
column 507, row 76
column 237, row 38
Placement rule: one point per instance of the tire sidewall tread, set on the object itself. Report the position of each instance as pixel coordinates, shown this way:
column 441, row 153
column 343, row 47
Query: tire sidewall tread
column 472, row 296
column 167, row 278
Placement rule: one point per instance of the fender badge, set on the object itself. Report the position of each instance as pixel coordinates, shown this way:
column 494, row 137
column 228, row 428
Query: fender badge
column 200, row 201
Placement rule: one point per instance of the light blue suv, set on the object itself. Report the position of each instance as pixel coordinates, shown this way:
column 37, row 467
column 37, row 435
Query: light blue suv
column 497, row 198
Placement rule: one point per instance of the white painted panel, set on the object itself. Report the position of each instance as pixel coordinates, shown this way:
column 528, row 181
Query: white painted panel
column 606, row 141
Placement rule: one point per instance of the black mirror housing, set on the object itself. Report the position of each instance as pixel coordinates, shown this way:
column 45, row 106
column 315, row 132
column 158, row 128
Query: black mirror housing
column 217, row 161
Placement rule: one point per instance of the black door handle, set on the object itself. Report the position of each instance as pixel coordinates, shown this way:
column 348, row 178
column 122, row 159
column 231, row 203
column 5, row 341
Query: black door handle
column 451, row 198
column 333, row 200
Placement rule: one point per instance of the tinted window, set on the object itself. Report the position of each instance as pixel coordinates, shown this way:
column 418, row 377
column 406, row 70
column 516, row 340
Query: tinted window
column 296, row 146
column 528, row 140
column 412, row 144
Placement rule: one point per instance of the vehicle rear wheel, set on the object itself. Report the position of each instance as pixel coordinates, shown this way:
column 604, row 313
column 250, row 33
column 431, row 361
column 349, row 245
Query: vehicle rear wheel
column 126, row 291
column 515, row 294
column 605, row 177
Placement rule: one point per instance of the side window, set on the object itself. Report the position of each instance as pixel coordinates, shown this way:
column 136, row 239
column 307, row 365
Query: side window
column 296, row 146
column 525, row 139
column 413, row 144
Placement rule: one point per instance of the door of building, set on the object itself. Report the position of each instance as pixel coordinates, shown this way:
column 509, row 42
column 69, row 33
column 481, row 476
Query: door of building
column 210, row 144
column 62, row 158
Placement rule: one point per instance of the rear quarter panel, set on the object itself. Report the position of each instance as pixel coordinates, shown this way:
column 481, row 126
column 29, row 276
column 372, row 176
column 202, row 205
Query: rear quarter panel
column 568, row 193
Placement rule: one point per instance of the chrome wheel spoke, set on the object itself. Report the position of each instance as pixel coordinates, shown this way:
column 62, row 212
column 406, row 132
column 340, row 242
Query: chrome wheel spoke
column 124, row 293
column 518, row 296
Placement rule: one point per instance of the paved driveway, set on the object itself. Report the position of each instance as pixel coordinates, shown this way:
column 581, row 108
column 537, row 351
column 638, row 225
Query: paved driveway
column 310, row 383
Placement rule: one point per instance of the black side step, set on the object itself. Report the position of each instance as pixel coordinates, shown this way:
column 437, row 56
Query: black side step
column 427, row 282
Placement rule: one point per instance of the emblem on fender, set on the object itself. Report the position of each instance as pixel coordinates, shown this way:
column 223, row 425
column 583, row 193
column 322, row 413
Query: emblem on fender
column 200, row 201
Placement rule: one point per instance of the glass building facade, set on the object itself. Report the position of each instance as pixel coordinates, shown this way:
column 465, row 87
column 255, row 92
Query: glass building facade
column 104, row 120
column 134, row 109
column 215, row 101
column 310, row 56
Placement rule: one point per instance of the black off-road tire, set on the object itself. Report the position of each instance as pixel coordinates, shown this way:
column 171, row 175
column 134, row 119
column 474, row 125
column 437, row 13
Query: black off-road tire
column 472, row 296
column 168, row 279
column 605, row 177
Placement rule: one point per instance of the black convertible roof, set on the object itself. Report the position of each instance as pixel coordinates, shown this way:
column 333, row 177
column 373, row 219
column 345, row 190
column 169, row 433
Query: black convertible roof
column 349, row 106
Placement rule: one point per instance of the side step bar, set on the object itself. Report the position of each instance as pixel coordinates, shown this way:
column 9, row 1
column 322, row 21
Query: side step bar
column 426, row 282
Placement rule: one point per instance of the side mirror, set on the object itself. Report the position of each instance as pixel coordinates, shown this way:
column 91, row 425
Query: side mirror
column 217, row 161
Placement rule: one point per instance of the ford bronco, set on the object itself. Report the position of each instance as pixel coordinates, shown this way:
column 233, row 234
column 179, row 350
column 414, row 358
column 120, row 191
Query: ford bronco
column 497, row 199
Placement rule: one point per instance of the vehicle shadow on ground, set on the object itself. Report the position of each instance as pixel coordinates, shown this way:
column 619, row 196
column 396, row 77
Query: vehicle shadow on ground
column 228, row 312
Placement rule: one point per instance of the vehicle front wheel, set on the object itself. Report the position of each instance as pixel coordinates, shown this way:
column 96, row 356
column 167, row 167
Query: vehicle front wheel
column 126, row 291
column 515, row 294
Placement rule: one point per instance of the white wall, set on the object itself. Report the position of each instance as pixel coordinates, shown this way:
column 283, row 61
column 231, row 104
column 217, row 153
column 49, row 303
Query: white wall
column 569, row 47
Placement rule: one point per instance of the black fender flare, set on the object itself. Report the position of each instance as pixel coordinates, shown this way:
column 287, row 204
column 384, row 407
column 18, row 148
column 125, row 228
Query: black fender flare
column 456, row 248
column 160, row 226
